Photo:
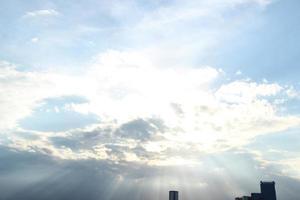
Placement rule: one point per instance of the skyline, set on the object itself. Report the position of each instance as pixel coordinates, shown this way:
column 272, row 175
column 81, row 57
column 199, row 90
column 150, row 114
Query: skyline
column 127, row 99
column 267, row 192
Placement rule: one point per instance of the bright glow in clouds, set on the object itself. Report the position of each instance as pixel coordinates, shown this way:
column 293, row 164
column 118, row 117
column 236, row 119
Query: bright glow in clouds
column 158, row 108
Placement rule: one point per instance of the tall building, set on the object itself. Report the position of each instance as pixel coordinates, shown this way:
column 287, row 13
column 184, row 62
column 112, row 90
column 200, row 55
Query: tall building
column 268, row 190
column 173, row 195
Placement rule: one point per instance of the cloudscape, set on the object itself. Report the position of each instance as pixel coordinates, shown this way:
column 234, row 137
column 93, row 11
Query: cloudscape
column 128, row 99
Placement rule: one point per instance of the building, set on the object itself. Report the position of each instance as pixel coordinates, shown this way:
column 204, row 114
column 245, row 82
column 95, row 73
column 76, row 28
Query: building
column 173, row 195
column 267, row 192
column 256, row 196
column 246, row 198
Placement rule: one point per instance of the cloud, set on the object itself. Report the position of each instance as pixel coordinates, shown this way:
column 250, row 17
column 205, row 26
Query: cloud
column 41, row 13
column 280, row 150
column 164, row 121
column 151, row 115
column 34, row 40
column 18, row 94
column 141, row 129
column 290, row 167
column 245, row 91
column 292, row 92
column 50, row 178
column 143, row 107
column 22, row 91
column 189, row 123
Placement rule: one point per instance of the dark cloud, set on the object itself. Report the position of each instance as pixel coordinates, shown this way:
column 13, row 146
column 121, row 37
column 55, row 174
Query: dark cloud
column 33, row 176
column 27, row 175
column 81, row 139
column 141, row 129
column 116, row 150
column 66, row 142
column 141, row 152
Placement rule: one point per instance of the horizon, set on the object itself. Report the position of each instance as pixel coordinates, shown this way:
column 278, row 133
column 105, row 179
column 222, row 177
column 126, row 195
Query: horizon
column 128, row 99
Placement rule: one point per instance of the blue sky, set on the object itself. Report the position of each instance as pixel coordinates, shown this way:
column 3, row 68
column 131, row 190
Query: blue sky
column 116, row 99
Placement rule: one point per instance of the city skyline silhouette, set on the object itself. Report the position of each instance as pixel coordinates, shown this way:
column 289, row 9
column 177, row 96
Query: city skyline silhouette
column 268, row 192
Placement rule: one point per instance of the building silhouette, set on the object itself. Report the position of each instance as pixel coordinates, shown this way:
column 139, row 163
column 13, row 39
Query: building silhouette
column 173, row 195
column 255, row 196
column 267, row 192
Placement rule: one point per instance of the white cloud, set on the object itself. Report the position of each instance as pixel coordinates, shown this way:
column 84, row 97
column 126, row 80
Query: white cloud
column 199, row 116
column 245, row 91
column 290, row 167
column 292, row 92
column 21, row 91
column 42, row 13
column 238, row 73
column 35, row 40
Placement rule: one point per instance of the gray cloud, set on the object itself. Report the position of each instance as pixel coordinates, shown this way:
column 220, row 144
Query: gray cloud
column 114, row 139
column 28, row 175
column 141, row 129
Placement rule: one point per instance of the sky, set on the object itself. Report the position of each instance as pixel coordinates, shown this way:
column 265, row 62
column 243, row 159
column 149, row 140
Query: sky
column 128, row 99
